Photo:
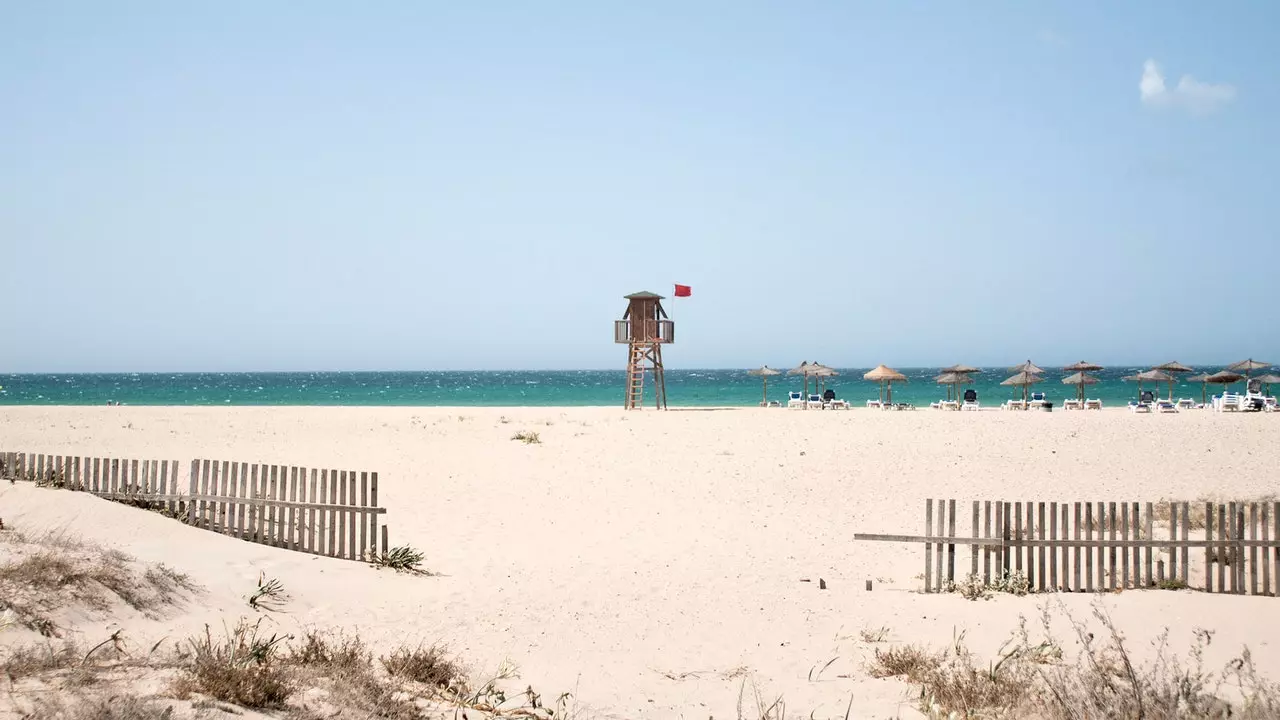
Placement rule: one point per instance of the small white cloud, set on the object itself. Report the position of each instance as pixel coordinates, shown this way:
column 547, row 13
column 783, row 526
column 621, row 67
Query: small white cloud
column 1189, row 94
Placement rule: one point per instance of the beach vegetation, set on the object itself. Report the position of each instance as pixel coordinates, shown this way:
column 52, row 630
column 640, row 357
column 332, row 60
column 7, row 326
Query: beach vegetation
column 973, row 587
column 243, row 668
column 47, row 573
column 81, row 706
column 401, row 559
column 428, row 665
column 269, row 595
column 874, row 635
column 527, row 437
column 1033, row 679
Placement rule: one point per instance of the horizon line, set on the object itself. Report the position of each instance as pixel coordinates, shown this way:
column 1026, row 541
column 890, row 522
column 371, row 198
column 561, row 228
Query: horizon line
column 495, row 370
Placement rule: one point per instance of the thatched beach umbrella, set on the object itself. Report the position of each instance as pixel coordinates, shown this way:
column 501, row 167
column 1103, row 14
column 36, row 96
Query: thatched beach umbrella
column 885, row 376
column 953, row 379
column 810, row 370
column 1027, row 367
column 820, row 375
column 806, row 369
column 1149, row 376
column 1268, row 380
column 1248, row 366
column 1082, row 366
column 1080, row 379
column 1225, row 378
column 765, row 373
column 1173, row 367
column 964, row 369
column 1025, row 378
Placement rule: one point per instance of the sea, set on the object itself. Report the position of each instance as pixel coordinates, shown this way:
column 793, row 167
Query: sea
column 542, row 388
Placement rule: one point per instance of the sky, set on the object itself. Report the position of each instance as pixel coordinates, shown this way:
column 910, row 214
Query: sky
column 427, row 185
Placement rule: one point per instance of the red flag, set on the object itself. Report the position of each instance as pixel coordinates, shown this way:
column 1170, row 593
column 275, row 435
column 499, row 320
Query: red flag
column 683, row 291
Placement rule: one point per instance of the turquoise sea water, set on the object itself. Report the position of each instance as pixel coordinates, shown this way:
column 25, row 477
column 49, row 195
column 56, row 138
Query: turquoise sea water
column 691, row 388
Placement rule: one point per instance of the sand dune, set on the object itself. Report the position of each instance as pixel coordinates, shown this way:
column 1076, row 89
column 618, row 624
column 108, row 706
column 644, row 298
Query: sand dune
column 651, row 562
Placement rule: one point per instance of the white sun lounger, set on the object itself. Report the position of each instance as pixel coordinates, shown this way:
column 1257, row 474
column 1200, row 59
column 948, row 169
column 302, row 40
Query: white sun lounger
column 1093, row 404
column 795, row 400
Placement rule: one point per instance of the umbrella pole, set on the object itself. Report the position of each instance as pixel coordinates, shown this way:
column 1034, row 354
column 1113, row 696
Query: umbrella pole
column 1204, row 393
column 765, row 399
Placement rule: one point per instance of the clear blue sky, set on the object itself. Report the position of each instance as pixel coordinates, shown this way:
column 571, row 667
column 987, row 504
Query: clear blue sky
column 430, row 185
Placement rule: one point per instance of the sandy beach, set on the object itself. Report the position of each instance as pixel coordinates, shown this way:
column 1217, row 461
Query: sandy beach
column 651, row 563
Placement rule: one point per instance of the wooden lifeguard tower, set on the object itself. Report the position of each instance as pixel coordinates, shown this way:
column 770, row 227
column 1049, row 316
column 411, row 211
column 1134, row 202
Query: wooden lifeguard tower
column 644, row 329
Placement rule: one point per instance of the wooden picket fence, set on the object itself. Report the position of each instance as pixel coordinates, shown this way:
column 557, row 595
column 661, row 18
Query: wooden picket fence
column 327, row 512
column 1105, row 546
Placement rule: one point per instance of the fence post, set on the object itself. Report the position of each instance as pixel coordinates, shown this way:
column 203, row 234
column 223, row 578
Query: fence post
column 951, row 547
column 1253, row 549
column 928, row 546
column 1209, row 551
column 938, row 547
column 194, row 491
column 1266, row 550
column 373, row 517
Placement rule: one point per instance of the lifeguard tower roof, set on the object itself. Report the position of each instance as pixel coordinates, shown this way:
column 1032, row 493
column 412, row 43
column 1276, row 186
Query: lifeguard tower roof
column 643, row 295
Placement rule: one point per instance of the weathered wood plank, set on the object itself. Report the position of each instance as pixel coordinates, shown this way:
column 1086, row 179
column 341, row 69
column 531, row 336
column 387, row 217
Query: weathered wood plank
column 1253, row 549
column 1088, row 555
column 311, row 513
column 1018, row 533
column 973, row 549
column 373, row 519
column 1112, row 527
column 928, row 546
column 1002, row 532
column 1210, row 550
column 986, row 548
column 1237, row 548
column 951, row 546
column 1144, row 567
column 194, row 491
column 1275, row 552
column 364, row 502
column 1186, row 535
column 1226, row 580
column 1124, row 535
column 1053, row 553
column 1266, row 551
column 292, row 536
column 353, row 552
column 1040, row 550
column 334, row 551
